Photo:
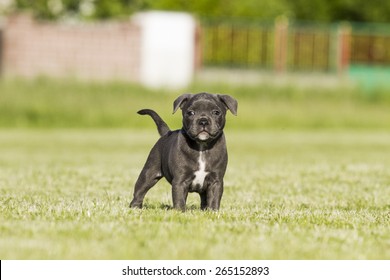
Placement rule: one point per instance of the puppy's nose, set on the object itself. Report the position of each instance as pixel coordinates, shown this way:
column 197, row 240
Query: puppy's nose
column 203, row 122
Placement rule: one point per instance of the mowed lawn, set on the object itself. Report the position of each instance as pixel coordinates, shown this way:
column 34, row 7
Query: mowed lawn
column 289, row 194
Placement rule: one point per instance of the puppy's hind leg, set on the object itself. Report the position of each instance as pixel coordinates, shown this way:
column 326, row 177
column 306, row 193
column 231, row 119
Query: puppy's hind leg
column 149, row 176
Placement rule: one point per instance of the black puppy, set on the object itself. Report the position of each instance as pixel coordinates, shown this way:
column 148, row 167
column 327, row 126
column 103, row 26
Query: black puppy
column 192, row 159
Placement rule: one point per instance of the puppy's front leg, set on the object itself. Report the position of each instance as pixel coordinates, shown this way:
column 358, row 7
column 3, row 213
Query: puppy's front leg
column 203, row 200
column 179, row 195
column 214, row 195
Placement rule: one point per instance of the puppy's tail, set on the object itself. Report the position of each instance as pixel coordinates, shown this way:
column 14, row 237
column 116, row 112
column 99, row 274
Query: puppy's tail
column 162, row 127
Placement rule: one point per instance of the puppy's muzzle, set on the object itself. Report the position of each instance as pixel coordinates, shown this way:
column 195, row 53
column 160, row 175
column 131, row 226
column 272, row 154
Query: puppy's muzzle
column 203, row 122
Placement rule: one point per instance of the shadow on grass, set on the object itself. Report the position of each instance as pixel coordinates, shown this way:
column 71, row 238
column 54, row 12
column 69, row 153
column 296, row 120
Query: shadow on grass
column 167, row 207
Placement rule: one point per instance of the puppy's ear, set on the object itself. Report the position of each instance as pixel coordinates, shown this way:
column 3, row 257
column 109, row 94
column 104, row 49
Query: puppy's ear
column 180, row 101
column 229, row 102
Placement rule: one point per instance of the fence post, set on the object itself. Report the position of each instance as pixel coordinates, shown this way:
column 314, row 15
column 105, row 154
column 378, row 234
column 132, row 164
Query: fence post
column 1, row 51
column 280, row 44
column 198, row 47
column 343, row 48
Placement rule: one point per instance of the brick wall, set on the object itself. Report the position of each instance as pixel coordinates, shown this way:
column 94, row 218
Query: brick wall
column 106, row 50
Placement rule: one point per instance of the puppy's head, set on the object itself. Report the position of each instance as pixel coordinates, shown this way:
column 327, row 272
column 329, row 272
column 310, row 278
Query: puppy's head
column 204, row 114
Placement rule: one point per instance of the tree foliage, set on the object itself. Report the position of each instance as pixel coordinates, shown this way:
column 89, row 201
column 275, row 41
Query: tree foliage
column 312, row 10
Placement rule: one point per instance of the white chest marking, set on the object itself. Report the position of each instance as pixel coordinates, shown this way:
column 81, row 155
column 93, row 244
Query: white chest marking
column 201, row 174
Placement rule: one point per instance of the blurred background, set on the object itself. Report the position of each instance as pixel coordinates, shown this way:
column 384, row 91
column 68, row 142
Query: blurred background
column 77, row 63
column 308, row 150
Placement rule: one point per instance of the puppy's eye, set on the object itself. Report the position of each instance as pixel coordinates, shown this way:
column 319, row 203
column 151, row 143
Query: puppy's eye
column 190, row 113
column 216, row 113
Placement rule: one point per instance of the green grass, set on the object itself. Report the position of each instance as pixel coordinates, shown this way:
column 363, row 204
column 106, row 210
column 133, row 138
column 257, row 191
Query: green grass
column 308, row 176
column 290, row 194
column 46, row 103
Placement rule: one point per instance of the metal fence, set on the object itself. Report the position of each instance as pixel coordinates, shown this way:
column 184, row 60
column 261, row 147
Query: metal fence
column 237, row 44
column 312, row 48
column 370, row 44
column 294, row 46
